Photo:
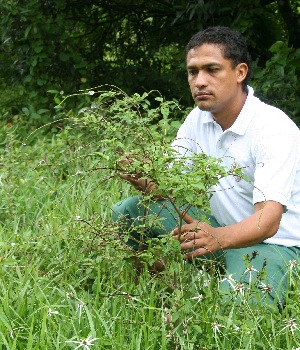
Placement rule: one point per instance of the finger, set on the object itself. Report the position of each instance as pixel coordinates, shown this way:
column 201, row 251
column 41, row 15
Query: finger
column 188, row 219
column 196, row 253
column 129, row 177
column 191, row 227
column 188, row 236
column 175, row 232
column 184, row 229
column 126, row 177
column 191, row 243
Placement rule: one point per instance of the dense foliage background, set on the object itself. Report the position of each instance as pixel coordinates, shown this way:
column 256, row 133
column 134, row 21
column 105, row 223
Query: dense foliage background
column 63, row 46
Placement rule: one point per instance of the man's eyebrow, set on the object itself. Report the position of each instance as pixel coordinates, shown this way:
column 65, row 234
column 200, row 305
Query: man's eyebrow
column 204, row 66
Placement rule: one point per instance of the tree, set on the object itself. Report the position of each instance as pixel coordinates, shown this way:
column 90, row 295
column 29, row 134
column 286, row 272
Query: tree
column 137, row 45
column 289, row 11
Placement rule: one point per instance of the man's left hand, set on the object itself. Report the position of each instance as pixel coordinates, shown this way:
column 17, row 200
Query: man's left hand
column 199, row 236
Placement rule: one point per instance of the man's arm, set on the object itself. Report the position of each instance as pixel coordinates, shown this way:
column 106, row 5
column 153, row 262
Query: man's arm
column 263, row 224
column 142, row 185
column 146, row 186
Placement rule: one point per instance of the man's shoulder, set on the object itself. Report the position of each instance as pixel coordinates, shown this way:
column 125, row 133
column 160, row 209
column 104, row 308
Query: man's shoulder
column 266, row 114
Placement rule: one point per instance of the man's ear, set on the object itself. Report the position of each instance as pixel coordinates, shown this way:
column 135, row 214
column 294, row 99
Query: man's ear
column 241, row 72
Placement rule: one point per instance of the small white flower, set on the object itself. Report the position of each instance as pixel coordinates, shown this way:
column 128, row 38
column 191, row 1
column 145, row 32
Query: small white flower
column 170, row 335
column 41, row 161
column 198, row 298
column 185, row 325
column 167, row 316
column 240, row 288
column 91, row 92
column 201, row 272
column 265, row 287
column 230, row 280
column 250, row 269
column 69, row 295
column 83, row 343
column 129, row 297
column 77, row 218
column 291, row 324
column 52, row 312
column 11, row 332
column 293, row 263
column 216, row 327
column 206, row 283
column 79, row 173
column 80, row 307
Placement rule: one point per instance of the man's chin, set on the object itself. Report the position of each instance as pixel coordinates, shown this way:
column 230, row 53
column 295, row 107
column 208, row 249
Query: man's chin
column 204, row 107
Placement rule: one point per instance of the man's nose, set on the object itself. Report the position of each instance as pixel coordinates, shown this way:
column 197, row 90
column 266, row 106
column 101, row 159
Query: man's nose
column 201, row 79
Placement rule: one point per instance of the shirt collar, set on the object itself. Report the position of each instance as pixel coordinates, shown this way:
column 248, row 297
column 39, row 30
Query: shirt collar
column 243, row 120
column 240, row 125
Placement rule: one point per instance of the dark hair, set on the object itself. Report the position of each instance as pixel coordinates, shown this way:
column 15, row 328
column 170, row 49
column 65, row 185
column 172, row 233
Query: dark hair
column 233, row 44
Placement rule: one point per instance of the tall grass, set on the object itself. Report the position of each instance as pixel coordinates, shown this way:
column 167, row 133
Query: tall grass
column 66, row 278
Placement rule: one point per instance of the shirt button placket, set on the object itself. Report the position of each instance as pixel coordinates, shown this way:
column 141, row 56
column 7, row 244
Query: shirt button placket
column 219, row 148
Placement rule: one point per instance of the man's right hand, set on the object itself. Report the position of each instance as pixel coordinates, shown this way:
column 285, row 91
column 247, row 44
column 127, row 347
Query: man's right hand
column 143, row 185
column 134, row 179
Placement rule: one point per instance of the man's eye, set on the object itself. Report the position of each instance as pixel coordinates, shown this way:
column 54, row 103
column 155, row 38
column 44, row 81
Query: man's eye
column 213, row 70
column 192, row 72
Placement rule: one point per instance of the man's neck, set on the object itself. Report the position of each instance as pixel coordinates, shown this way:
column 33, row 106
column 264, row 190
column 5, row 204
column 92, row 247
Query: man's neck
column 227, row 119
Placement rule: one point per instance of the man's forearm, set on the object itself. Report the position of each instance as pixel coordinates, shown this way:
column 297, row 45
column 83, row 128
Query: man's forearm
column 203, row 238
column 263, row 224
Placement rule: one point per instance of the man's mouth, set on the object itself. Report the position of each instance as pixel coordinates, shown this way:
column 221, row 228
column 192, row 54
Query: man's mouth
column 202, row 95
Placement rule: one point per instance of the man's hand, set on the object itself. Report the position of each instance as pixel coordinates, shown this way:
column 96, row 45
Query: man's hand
column 135, row 179
column 199, row 236
column 143, row 185
column 256, row 228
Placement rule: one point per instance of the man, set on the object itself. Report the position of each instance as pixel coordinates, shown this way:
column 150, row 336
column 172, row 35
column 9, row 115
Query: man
column 261, row 215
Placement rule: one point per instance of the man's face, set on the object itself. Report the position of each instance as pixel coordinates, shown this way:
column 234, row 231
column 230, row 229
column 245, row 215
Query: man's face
column 214, row 84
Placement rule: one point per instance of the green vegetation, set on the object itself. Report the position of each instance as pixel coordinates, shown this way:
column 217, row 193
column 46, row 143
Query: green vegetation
column 68, row 280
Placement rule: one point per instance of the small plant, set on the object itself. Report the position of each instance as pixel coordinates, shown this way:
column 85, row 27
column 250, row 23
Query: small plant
column 131, row 128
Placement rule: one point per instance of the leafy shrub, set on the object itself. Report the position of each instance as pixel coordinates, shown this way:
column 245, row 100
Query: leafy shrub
column 278, row 83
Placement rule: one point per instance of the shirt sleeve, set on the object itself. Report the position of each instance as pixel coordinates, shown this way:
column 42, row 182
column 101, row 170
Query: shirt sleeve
column 185, row 143
column 277, row 155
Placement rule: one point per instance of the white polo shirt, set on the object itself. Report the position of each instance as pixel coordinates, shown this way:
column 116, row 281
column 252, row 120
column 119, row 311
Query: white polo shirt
column 265, row 142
